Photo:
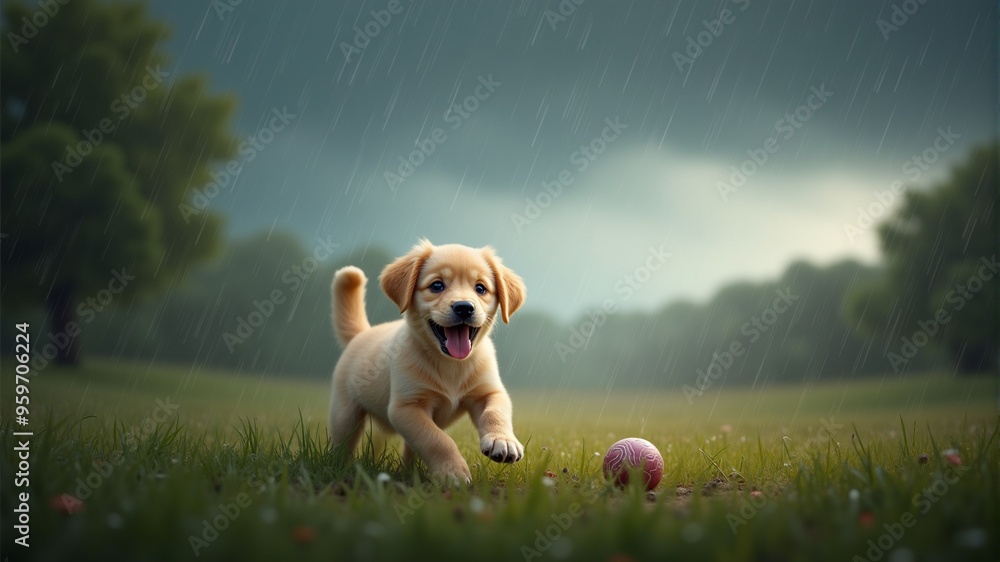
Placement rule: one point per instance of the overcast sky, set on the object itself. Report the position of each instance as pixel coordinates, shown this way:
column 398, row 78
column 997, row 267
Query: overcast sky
column 553, row 83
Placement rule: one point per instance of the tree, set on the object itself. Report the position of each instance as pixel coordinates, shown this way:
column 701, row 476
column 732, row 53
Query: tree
column 101, row 146
column 938, row 288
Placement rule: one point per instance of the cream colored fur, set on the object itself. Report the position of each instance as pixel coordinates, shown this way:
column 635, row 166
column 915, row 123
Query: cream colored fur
column 398, row 373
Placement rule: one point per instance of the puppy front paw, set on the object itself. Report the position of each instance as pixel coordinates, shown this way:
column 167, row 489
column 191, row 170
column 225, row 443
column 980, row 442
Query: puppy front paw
column 452, row 473
column 501, row 448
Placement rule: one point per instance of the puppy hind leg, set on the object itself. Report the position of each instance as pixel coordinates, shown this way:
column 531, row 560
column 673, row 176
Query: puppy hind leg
column 346, row 424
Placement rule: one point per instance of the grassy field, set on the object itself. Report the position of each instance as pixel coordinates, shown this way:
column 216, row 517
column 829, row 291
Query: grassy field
column 177, row 464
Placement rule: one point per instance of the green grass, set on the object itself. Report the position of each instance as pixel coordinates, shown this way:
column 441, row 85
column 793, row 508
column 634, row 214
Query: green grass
column 834, row 464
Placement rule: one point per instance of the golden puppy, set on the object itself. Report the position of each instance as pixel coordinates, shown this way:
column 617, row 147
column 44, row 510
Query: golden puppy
column 417, row 375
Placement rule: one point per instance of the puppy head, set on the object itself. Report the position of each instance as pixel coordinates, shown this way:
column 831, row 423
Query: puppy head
column 451, row 294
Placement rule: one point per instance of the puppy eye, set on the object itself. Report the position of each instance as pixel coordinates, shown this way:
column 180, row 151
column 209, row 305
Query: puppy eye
column 480, row 288
column 437, row 287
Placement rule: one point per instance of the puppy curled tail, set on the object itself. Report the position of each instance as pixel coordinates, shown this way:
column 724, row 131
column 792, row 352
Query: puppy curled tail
column 348, row 296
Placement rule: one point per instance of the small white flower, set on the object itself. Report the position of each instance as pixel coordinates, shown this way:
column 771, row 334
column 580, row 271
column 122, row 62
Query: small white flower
column 383, row 477
column 476, row 504
column 692, row 532
column 268, row 515
column 374, row 529
column 561, row 548
column 972, row 538
column 901, row 555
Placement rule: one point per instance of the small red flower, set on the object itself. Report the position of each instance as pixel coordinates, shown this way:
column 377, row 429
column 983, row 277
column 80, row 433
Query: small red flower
column 66, row 504
column 303, row 534
column 954, row 459
column 866, row 518
column 551, row 475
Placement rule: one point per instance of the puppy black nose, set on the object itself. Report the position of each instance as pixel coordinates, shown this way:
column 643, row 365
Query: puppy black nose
column 463, row 309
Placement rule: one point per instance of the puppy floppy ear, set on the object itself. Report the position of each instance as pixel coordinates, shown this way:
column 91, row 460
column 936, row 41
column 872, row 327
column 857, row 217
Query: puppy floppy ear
column 399, row 278
column 510, row 286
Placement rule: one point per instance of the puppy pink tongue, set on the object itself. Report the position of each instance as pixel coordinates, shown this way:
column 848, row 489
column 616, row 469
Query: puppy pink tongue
column 457, row 341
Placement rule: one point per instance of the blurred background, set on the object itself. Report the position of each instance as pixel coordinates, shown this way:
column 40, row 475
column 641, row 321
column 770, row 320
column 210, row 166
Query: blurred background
column 731, row 193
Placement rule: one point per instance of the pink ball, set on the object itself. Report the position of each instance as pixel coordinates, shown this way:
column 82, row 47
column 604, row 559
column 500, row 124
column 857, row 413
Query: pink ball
column 636, row 453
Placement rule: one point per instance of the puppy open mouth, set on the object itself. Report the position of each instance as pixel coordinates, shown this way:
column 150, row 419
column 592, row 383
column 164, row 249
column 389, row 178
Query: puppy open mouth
column 456, row 341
